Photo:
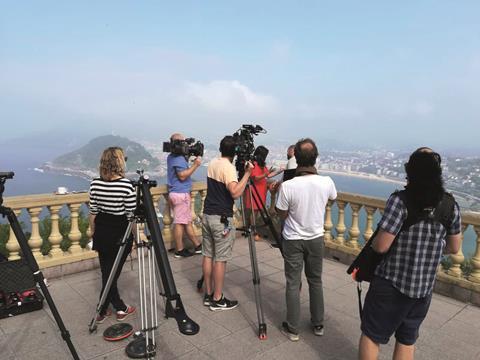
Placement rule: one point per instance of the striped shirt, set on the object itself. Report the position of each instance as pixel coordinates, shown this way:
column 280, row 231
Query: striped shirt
column 115, row 197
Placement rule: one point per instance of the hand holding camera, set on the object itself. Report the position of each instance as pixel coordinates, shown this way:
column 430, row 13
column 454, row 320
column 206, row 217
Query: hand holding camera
column 197, row 161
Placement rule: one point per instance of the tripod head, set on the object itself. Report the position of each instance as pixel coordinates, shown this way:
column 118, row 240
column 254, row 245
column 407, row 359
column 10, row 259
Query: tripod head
column 4, row 176
column 138, row 184
column 143, row 179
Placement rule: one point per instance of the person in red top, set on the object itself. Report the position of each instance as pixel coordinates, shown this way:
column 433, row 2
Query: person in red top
column 260, row 175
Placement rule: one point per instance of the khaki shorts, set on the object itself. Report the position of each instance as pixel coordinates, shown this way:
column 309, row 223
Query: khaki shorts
column 217, row 243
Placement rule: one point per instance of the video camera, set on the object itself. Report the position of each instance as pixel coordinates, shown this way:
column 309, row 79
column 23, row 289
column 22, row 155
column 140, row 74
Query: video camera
column 187, row 147
column 4, row 176
column 244, row 145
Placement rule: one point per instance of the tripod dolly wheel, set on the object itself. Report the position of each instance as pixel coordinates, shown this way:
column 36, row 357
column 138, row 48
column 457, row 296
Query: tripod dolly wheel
column 262, row 332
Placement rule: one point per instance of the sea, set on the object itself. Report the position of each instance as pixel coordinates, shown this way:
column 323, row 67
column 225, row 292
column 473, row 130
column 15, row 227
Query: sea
column 29, row 179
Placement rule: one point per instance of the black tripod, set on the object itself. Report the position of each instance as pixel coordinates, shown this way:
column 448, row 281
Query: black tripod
column 32, row 263
column 152, row 260
column 248, row 229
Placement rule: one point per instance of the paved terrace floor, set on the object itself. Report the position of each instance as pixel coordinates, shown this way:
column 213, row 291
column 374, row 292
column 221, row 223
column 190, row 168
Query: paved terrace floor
column 451, row 330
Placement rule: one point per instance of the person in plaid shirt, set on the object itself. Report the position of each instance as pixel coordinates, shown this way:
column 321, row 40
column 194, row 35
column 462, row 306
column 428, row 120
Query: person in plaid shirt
column 399, row 295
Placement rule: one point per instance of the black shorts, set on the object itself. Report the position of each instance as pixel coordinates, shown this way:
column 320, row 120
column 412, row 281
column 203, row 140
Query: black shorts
column 387, row 311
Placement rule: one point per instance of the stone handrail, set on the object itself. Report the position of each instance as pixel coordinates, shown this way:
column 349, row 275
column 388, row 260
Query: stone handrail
column 344, row 220
column 53, row 203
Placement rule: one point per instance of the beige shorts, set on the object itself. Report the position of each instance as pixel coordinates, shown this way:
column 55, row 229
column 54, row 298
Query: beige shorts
column 217, row 238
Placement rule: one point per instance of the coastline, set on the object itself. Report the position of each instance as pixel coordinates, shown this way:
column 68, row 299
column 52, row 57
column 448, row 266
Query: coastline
column 85, row 174
column 363, row 176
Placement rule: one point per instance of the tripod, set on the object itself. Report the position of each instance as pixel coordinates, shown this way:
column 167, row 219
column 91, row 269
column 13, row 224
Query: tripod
column 248, row 232
column 152, row 261
column 32, row 263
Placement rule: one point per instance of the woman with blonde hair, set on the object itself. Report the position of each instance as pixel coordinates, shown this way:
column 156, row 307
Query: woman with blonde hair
column 112, row 203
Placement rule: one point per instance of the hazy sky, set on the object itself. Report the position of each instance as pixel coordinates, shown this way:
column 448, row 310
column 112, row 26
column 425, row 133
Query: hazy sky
column 362, row 72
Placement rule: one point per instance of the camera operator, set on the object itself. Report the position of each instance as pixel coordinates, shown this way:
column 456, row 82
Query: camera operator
column 399, row 295
column 260, row 176
column 179, row 187
column 301, row 203
column 112, row 203
column 218, row 231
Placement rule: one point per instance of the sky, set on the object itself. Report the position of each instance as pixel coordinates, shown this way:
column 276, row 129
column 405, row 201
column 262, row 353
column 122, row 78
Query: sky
column 397, row 74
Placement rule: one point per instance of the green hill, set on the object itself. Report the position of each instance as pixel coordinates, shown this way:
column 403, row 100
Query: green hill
column 88, row 156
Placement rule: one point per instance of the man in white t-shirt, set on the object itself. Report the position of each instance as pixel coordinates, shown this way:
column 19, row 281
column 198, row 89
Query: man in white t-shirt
column 291, row 163
column 301, row 203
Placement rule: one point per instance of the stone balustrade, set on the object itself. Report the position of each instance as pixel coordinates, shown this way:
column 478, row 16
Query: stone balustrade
column 349, row 220
column 36, row 207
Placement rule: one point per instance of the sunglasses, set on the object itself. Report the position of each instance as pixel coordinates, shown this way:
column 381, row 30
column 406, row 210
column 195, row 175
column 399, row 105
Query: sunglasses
column 125, row 158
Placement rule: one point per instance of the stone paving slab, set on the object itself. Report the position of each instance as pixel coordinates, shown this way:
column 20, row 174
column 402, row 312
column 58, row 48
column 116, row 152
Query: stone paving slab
column 450, row 331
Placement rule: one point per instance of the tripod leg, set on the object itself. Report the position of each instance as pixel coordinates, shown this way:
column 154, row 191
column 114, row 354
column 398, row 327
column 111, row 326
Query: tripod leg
column 262, row 327
column 125, row 240
column 39, row 279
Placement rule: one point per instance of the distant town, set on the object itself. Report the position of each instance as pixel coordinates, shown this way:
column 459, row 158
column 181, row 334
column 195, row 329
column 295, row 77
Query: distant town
column 462, row 175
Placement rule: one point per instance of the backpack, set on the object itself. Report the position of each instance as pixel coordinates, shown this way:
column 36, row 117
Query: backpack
column 364, row 266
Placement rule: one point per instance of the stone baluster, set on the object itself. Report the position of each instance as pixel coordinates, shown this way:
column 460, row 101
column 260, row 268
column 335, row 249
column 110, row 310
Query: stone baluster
column 475, row 275
column 341, row 223
column 457, row 259
column 369, row 227
column 156, row 203
column 74, row 235
column 328, row 225
column 196, row 228
column 12, row 244
column 55, row 238
column 35, row 241
column 354, row 231
column 203, row 194
column 167, row 220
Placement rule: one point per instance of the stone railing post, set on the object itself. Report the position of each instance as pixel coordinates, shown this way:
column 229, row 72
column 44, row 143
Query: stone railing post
column 193, row 196
column 328, row 225
column 341, row 223
column 12, row 244
column 35, row 241
column 203, row 194
column 369, row 227
column 55, row 238
column 354, row 231
column 74, row 235
column 156, row 205
column 475, row 275
column 457, row 259
column 167, row 220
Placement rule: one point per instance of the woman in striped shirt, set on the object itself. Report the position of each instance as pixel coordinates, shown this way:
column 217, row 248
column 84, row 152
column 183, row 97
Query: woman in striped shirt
column 112, row 203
